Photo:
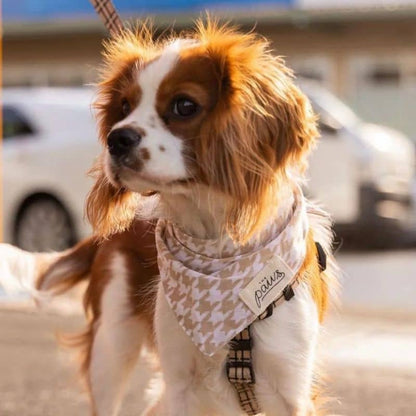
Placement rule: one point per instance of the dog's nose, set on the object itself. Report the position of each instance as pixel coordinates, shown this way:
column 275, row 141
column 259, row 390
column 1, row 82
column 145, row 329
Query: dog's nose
column 121, row 141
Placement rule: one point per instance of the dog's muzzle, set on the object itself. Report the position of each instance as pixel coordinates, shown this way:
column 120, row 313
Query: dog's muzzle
column 120, row 142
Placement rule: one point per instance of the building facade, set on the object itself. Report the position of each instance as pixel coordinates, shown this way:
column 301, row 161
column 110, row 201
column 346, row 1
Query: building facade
column 364, row 52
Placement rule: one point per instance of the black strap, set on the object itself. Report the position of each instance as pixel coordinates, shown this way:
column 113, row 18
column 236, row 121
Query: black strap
column 321, row 256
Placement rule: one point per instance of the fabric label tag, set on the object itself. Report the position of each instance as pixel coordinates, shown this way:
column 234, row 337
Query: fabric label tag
column 267, row 285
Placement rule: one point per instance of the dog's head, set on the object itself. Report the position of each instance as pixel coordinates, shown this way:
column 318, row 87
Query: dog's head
column 212, row 108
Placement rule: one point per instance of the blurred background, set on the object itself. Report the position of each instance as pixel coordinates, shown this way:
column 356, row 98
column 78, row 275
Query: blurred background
column 355, row 59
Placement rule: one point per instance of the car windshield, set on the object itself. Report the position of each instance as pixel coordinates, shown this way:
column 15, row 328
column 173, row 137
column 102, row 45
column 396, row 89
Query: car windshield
column 325, row 102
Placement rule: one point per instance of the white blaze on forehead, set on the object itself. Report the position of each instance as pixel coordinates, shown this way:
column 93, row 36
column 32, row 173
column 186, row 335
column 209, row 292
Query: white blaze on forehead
column 153, row 74
column 167, row 164
column 149, row 80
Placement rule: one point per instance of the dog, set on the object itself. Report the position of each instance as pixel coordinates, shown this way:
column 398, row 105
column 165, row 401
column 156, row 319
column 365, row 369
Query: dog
column 205, row 138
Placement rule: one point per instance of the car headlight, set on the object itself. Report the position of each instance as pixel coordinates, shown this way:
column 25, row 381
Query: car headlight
column 390, row 163
column 391, row 174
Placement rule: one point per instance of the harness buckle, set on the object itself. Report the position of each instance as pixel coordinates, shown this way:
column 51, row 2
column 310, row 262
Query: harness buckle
column 288, row 292
column 241, row 344
column 267, row 313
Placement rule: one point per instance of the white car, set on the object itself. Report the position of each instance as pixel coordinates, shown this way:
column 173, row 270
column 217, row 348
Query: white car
column 361, row 173
column 50, row 142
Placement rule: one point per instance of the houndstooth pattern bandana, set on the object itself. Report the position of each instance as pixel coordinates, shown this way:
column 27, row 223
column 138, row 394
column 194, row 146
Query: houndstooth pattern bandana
column 205, row 280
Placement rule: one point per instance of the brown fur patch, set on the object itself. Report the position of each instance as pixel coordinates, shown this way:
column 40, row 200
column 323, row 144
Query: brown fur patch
column 144, row 153
column 137, row 245
column 262, row 125
column 193, row 77
column 70, row 268
column 109, row 209
column 122, row 86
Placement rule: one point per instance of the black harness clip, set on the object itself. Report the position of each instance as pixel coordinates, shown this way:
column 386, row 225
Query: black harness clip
column 288, row 292
column 321, row 256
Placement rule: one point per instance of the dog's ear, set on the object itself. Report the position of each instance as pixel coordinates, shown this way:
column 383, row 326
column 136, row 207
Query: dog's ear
column 109, row 209
column 258, row 96
column 290, row 126
column 260, row 130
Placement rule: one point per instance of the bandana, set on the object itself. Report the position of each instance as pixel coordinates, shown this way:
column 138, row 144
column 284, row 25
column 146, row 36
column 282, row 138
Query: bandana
column 216, row 288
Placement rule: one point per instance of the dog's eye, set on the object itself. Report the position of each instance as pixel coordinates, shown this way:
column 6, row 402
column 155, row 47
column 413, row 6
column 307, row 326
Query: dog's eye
column 184, row 107
column 125, row 107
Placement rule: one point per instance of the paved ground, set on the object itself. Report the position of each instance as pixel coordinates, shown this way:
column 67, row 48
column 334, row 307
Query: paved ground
column 379, row 280
column 38, row 379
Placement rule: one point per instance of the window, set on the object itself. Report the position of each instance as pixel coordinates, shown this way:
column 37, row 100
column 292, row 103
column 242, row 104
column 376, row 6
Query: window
column 318, row 68
column 384, row 75
column 383, row 89
column 310, row 73
column 14, row 123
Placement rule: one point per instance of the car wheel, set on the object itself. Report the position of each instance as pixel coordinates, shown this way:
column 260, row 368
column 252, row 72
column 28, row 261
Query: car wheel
column 44, row 224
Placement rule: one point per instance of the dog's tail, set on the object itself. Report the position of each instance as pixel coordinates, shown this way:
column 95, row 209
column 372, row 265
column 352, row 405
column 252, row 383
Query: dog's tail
column 41, row 273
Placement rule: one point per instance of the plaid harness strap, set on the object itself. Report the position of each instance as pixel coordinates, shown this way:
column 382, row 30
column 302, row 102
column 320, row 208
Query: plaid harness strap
column 239, row 365
column 240, row 371
column 105, row 9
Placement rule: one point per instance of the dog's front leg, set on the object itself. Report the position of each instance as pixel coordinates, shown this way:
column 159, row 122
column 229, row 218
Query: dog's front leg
column 284, row 356
column 176, row 353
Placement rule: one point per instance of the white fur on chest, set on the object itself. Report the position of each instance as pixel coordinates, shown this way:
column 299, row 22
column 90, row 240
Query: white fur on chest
column 283, row 357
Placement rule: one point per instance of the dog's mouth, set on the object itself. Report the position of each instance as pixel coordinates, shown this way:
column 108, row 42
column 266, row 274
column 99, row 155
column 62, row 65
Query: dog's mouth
column 182, row 183
column 147, row 185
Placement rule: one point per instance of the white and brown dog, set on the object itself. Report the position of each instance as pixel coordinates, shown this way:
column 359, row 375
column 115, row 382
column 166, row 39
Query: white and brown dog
column 205, row 135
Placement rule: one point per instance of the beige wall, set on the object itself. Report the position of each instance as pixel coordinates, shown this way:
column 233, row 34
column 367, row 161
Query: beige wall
column 337, row 41
column 34, row 57
column 341, row 41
